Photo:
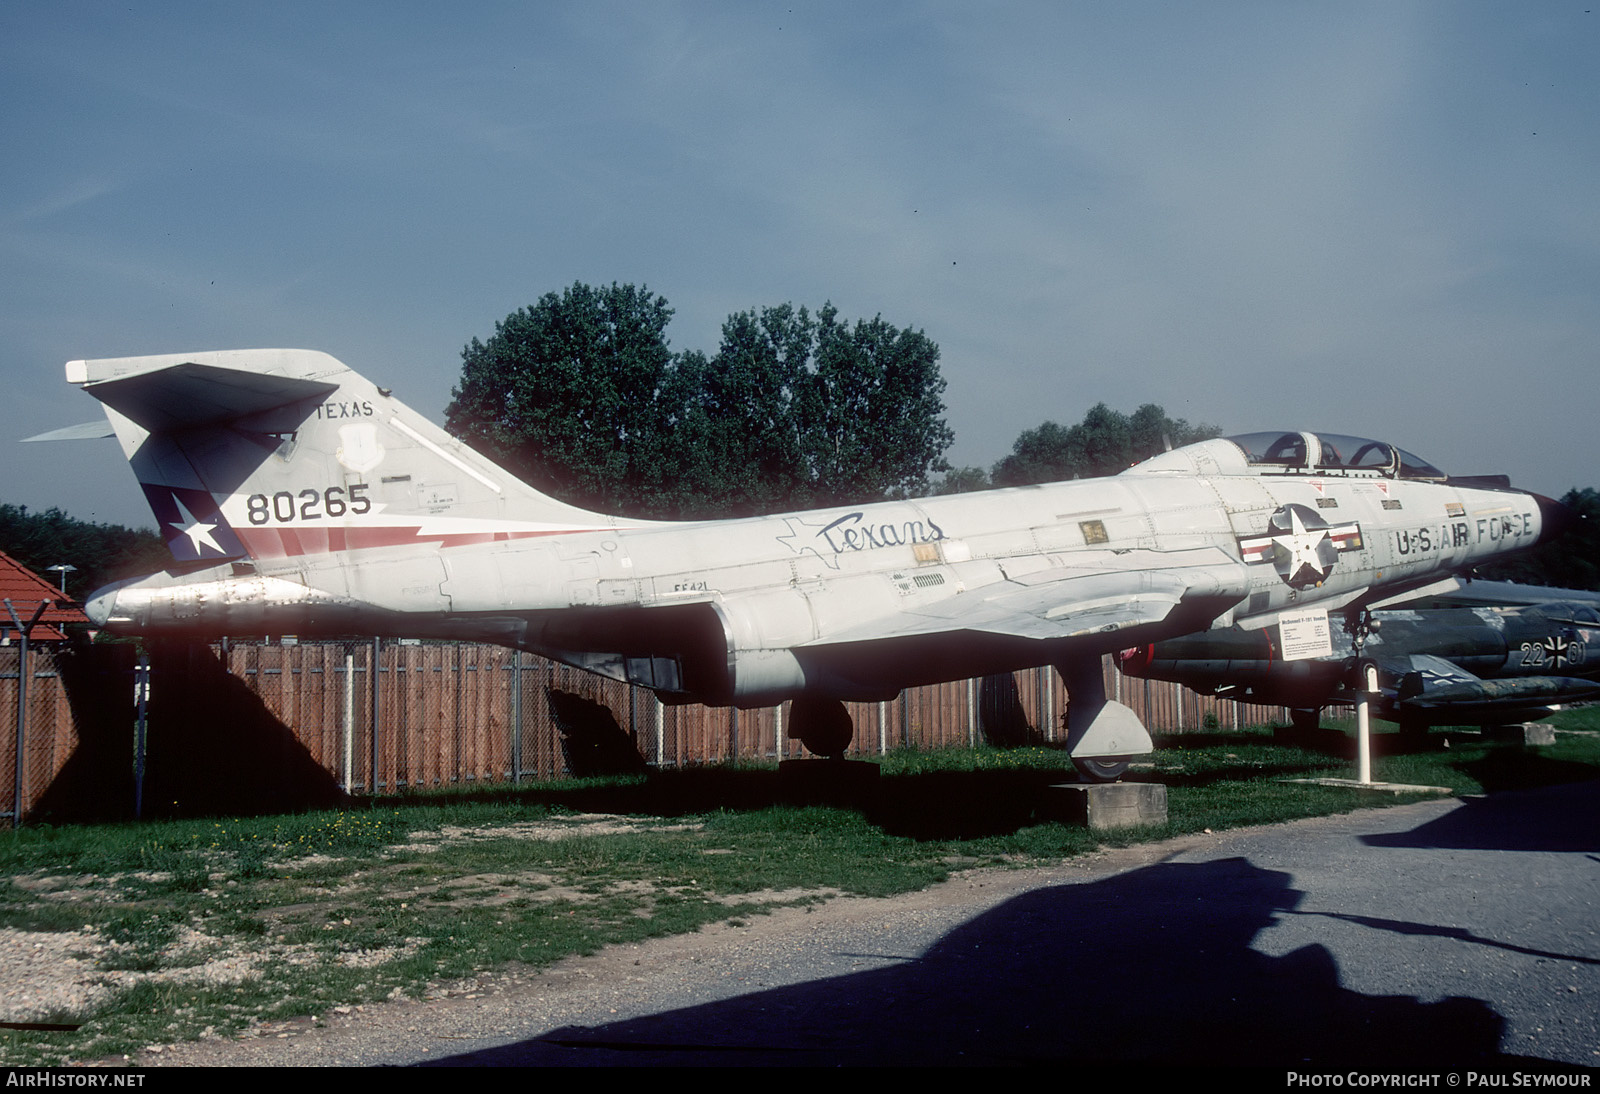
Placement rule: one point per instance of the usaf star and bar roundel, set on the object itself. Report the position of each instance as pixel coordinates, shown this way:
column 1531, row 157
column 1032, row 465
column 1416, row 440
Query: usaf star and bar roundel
column 1301, row 544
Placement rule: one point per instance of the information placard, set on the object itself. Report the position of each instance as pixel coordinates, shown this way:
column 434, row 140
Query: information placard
column 1304, row 635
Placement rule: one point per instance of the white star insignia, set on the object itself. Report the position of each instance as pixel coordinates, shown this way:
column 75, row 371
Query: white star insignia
column 198, row 531
column 1302, row 545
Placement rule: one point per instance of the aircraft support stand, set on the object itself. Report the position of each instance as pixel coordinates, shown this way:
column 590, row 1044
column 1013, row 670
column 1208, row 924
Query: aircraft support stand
column 1363, row 780
column 825, row 728
column 1103, row 806
column 1102, row 736
column 1369, row 685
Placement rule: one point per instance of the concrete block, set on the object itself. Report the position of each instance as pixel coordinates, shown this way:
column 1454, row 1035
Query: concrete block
column 1523, row 733
column 1108, row 805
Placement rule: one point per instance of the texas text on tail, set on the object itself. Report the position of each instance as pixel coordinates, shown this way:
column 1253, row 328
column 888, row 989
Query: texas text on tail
column 298, row 497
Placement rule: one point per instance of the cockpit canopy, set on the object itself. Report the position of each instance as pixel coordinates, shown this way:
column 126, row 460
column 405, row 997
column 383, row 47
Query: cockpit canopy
column 1331, row 453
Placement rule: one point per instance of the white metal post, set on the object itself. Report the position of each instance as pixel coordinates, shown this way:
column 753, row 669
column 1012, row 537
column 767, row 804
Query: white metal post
column 1369, row 684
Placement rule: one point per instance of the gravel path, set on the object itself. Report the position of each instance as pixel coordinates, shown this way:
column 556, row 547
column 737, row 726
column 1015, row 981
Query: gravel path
column 717, row 962
column 1443, row 932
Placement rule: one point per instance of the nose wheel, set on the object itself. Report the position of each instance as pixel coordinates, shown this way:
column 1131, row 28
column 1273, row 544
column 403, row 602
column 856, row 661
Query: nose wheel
column 1101, row 769
column 822, row 725
column 1103, row 736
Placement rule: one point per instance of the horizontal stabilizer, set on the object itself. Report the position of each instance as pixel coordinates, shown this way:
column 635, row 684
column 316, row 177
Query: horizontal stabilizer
column 185, row 395
column 88, row 431
column 1435, row 672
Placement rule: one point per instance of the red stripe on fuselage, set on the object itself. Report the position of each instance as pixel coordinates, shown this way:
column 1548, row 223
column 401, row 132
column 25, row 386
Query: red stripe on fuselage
column 267, row 543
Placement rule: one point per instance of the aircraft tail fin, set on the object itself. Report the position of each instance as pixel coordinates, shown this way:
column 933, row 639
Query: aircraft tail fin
column 277, row 453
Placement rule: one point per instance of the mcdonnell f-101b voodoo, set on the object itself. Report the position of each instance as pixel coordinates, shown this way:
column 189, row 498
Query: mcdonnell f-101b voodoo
column 298, row 497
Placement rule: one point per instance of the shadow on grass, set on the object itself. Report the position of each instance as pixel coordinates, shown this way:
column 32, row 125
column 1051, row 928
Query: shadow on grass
column 1500, row 769
column 925, row 805
column 975, row 804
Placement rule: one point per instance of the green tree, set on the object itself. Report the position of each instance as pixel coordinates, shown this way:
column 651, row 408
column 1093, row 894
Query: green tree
column 962, row 480
column 1105, row 442
column 737, row 447
column 1571, row 561
column 567, row 394
column 870, row 419
column 102, row 553
column 580, row 396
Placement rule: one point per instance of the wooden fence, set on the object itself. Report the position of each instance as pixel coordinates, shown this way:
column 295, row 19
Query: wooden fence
column 237, row 725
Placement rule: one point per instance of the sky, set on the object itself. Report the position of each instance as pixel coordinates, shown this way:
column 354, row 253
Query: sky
column 1376, row 219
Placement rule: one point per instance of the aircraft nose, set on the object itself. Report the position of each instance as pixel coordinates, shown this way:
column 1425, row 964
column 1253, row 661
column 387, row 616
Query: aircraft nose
column 1556, row 518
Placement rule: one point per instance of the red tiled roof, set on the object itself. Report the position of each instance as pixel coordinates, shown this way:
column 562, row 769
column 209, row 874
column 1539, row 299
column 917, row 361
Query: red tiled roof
column 26, row 589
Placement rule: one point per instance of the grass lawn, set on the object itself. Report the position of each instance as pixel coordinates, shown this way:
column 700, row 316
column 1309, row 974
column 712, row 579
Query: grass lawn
column 206, row 926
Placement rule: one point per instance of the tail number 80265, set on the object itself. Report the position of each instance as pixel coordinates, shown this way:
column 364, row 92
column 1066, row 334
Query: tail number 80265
column 284, row 507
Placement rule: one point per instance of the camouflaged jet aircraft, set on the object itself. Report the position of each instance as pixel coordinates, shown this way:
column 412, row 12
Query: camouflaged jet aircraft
column 298, row 497
column 1437, row 666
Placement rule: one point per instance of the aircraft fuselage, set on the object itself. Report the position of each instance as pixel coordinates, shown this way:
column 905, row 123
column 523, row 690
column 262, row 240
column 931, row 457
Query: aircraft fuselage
column 757, row 609
column 298, row 497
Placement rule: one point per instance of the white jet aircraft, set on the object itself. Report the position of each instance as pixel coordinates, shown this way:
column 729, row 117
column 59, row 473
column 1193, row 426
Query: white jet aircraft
column 299, row 498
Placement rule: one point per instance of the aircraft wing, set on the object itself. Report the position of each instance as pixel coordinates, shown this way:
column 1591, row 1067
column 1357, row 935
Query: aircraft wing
column 1436, row 688
column 1069, row 598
